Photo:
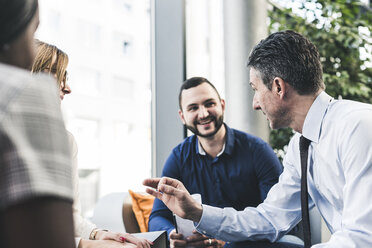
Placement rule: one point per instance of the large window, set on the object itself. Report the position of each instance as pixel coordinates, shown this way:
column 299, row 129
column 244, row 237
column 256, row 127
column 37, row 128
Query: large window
column 109, row 110
column 205, row 41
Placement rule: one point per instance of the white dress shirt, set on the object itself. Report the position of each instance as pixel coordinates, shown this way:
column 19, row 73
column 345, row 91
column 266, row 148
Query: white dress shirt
column 339, row 182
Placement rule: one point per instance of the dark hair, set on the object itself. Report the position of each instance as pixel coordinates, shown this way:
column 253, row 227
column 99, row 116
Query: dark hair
column 290, row 56
column 15, row 15
column 193, row 82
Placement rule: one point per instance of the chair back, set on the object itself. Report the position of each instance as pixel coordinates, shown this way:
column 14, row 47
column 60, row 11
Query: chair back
column 108, row 212
column 129, row 219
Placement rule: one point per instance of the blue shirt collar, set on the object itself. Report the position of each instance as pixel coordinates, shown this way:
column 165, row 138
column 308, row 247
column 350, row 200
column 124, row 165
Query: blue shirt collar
column 227, row 147
column 313, row 121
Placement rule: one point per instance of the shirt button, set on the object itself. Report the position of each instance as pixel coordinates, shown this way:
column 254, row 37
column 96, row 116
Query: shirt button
column 204, row 232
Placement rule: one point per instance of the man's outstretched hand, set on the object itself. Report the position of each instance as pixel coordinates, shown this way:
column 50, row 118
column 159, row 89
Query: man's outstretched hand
column 175, row 196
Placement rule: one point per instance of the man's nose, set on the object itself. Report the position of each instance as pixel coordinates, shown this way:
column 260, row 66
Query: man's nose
column 203, row 112
column 255, row 104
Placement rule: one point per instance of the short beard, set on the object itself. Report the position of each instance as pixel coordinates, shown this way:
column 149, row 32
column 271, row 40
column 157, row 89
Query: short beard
column 217, row 123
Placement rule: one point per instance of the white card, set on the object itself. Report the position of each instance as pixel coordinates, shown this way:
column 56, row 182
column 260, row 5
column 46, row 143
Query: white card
column 185, row 227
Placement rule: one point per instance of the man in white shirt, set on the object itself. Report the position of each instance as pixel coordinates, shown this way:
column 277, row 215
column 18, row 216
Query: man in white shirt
column 286, row 75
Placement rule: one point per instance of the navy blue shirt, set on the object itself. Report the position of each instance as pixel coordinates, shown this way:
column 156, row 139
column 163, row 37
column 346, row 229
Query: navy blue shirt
column 239, row 177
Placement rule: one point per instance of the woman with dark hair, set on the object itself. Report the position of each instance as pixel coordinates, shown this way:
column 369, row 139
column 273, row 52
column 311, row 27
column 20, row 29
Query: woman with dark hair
column 18, row 22
column 35, row 161
column 50, row 59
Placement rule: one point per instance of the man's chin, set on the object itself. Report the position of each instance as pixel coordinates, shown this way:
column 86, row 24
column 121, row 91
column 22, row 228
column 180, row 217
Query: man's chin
column 272, row 125
column 205, row 129
column 275, row 126
column 201, row 131
column 207, row 133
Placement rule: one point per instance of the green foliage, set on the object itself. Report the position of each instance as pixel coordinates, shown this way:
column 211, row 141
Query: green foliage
column 342, row 31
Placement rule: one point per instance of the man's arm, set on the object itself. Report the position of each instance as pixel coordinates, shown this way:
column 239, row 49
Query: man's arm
column 42, row 222
column 270, row 220
column 175, row 196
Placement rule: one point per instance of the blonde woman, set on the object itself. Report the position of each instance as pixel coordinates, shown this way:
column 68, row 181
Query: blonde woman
column 54, row 61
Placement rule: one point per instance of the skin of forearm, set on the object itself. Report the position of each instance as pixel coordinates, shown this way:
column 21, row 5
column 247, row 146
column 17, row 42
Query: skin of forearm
column 196, row 213
column 100, row 234
column 84, row 243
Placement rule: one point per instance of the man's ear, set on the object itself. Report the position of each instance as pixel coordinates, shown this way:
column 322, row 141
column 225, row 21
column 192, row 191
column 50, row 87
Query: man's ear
column 180, row 113
column 223, row 104
column 279, row 87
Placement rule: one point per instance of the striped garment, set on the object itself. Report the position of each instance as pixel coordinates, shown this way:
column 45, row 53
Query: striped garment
column 35, row 158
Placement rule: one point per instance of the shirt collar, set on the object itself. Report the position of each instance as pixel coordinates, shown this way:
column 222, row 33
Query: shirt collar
column 313, row 121
column 228, row 146
column 202, row 152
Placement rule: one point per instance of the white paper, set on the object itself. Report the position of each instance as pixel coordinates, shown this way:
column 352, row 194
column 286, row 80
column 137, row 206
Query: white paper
column 185, row 227
column 159, row 238
column 151, row 236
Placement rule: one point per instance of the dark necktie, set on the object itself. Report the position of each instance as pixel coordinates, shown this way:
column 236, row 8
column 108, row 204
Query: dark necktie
column 304, row 151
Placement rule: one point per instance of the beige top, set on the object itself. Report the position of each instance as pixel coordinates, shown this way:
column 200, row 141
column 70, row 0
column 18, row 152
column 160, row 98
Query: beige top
column 83, row 227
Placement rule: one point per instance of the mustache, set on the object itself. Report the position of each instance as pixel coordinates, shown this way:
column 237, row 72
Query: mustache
column 209, row 118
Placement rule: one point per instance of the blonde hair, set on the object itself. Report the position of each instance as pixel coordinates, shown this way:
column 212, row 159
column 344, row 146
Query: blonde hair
column 52, row 59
